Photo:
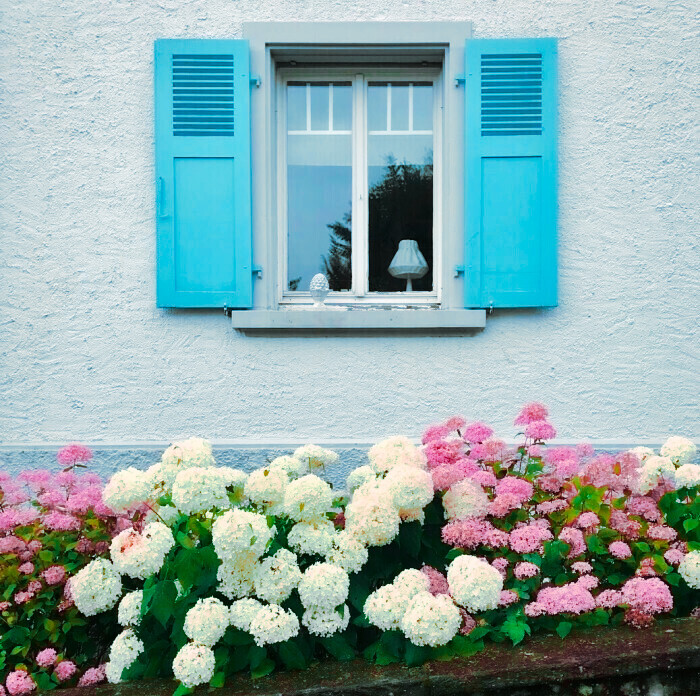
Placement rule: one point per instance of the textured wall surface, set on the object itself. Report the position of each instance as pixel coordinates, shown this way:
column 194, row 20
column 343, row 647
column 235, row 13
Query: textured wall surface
column 87, row 355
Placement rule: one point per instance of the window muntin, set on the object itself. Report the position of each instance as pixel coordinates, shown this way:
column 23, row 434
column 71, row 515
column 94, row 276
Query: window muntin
column 356, row 162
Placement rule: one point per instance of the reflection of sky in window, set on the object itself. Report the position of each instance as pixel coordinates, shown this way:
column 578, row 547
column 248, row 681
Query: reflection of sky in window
column 319, row 173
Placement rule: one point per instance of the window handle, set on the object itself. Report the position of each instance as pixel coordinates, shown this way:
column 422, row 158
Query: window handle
column 162, row 211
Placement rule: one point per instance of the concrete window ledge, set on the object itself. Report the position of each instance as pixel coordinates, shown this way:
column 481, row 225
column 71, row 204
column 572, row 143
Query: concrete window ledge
column 334, row 319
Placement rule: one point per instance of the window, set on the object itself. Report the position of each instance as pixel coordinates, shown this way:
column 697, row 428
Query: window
column 358, row 172
column 328, row 147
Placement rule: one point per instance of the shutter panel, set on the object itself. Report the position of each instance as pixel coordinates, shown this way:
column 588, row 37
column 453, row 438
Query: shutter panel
column 511, row 173
column 203, row 176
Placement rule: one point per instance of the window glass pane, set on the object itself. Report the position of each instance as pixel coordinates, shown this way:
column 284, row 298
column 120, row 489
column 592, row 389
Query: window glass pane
column 319, row 106
column 296, row 106
column 422, row 106
column 342, row 106
column 399, row 107
column 319, row 203
column 376, row 106
column 400, row 179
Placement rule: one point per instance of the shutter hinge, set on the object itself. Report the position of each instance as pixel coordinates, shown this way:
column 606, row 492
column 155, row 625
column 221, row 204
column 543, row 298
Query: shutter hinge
column 254, row 81
column 225, row 309
column 459, row 270
column 491, row 307
column 460, row 80
column 257, row 271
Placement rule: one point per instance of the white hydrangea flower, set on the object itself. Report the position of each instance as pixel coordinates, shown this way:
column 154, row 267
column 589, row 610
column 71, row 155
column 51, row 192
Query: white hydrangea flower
column 465, row 499
column 207, row 621
column 431, row 620
column 314, row 538
column 129, row 612
column 233, row 479
column 293, row 467
column 126, row 489
column 316, row 457
column 411, row 488
column 236, row 576
column 272, row 624
column 371, row 516
column 276, row 576
column 323, row 585
column 410, row 582
column 358, row 476
column 163, row 513
column 689, row 569
column 243, row 611
column 240, row 531
column 474, row 584
column 326, row 622
column 347, row 552
column 141, row 555
column 189, row 453
column 266, row 487
column 194, row 664
column 97, row 587
column 688, row 475
column 199, row 489
column 417, row 515
column 385, row 607
column 161, row 478
column 122, row 654
column 642, row 453
column 651, row 472
column 396, row 451
column 679, row 449
column 308, row 498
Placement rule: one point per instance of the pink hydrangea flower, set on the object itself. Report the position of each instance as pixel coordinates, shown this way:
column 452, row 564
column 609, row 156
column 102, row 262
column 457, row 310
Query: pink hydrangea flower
column 66, row 479
column 590, row 582
column 582, row 567
column 447, row 475
column 23, row 597
column 529, row 539
column 490, row 451
column 525, row 569
column 4, row 606
column 72, row 454
column 587, row 520
column 477, row 432
column 468, row 623
column 608, row 599
column 646, row 568
column 549, row 483
column 34, row 586
column 585, row 449
column 440, row 452
column 501, row 505
column 507, row 598
column 9, row 519
column 84, row 545
column 638, row 618
column 19, row 683
column 530, row 413
column 65, row 670
column 535, row 451
column 500, row 564
column 52, row 497
column 540, row 430
column 619, row 549
column 92, row 676
column 470, row 533
column 47, row 657
column 484, row 478
column 54, row 575
column 572, row 598
column 650, row 595
column 61, row 522
column 435, row 432
column 26, row 568
column 623, row 524
column 438, row 582
column 661, row 532
column 674, row 556
column 13, row 494
column 643, row 506
column 36, row 478
column 574, row 538
column 455, row 423
column 533, row 609
column 550, row 506
column 12, row 544
column 520, row 489
column 84, row 499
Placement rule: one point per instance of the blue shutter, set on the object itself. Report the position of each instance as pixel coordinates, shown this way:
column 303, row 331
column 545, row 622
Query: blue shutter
column 511, row 173
column 203, row 176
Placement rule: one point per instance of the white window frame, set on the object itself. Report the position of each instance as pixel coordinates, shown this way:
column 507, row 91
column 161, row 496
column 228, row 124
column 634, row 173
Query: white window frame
column 359, row 77
column 273, row 44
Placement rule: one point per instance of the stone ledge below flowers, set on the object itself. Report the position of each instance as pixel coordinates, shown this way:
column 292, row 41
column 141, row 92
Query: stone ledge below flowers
column 359, row 319
column 663, row 659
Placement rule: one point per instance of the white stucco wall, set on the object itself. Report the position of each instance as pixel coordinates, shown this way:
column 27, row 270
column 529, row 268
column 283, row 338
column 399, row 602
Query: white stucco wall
column 86, row 355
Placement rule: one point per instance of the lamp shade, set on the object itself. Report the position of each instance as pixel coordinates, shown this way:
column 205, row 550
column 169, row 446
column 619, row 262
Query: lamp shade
column 408, row 262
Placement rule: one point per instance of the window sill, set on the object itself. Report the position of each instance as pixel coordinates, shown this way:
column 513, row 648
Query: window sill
column 358, row 319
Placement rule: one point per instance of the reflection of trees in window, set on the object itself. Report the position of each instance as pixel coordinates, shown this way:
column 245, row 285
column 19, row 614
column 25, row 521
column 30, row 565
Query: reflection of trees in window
column 338, row 263
column 400, row 207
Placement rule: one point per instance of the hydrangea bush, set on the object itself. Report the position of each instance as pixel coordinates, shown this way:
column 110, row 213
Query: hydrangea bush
column 429, row 552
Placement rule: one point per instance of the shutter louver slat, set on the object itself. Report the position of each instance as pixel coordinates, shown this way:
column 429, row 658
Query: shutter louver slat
column 199, row 82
